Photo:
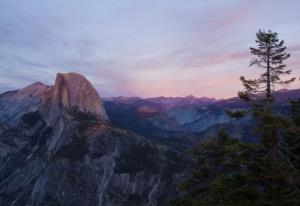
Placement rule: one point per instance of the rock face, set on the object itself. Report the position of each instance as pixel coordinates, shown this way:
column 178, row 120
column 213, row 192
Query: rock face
column 72, row 90
column 79, row 159
column 83, row 162
column 14, row 104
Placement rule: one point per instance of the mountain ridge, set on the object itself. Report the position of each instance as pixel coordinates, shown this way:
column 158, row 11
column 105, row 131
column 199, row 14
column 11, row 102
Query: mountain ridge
column 190, row 119
column 78, row 159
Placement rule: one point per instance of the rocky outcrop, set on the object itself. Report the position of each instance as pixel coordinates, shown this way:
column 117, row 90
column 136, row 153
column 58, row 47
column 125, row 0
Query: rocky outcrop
column 74, row 91
column 61, row 150
column 70, row 91
column 83, row 162
column 14, row 104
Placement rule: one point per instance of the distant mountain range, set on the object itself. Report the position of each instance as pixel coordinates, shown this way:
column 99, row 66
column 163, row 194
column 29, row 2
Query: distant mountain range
column 170, row 117
column 166, row 102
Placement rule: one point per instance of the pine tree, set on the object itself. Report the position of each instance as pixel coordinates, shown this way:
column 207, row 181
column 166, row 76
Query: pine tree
column 270, row 55
column 279, row 134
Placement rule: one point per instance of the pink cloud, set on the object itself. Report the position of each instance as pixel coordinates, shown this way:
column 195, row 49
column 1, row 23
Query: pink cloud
column 213, row 59
column 234, row 15
column 294, row 48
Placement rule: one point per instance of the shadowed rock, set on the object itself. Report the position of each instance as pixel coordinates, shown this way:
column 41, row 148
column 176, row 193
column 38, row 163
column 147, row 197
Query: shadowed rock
column 62, row 150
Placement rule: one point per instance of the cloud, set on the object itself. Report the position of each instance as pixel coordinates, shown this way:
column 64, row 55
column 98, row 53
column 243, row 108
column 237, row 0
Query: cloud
column 294, row 48
column 135, row 48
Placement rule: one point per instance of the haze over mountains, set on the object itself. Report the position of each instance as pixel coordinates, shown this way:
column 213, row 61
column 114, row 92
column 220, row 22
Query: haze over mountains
column 63, row 145
column 192, row 115
column 162, row 116
column 153, row 117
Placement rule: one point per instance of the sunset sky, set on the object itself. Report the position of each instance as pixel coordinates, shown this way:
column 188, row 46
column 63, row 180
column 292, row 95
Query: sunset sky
column 141, row 47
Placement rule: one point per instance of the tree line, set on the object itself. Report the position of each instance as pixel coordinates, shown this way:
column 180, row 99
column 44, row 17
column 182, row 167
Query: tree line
column 229, row 172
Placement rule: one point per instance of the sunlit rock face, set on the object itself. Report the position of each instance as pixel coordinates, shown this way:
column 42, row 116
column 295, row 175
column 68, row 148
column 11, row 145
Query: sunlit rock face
column 74, row 91
column 70, row 91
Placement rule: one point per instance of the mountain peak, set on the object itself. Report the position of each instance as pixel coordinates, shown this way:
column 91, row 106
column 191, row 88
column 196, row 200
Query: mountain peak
column 72, row 90
column 34, row 90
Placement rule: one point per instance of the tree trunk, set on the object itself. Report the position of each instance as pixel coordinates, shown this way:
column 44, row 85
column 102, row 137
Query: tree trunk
column 268, row 90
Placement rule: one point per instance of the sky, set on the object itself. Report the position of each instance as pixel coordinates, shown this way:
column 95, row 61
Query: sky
column 143, row 48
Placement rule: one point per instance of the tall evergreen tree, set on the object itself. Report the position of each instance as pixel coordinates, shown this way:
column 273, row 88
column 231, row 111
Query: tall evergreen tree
column 278, row 165
column 270, row 55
